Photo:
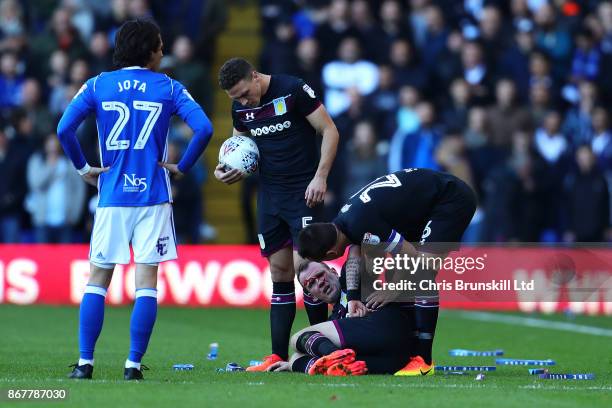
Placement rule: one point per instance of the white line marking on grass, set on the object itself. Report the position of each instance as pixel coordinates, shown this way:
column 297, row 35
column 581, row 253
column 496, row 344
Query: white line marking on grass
column 537, row 323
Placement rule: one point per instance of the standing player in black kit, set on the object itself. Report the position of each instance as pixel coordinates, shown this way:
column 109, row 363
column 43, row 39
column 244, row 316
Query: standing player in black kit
column 283, row 115
column 417, row 212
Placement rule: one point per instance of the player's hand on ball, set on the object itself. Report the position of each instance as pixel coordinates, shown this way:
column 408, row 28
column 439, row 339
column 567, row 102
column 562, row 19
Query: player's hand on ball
column 356, row 309
column 228, row 176
column 280, row 366
column 315, row 192
column 172, row 168
column 91, row 177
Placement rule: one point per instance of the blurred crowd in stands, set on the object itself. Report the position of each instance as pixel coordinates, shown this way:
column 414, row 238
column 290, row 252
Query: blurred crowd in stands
column 48, row 48
column 512, row 96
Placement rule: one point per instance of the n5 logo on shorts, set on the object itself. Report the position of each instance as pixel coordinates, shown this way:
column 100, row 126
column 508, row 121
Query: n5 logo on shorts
column 134, row 184
column 264, row 130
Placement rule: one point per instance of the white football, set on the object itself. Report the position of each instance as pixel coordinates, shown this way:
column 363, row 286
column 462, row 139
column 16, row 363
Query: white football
column 239, row 152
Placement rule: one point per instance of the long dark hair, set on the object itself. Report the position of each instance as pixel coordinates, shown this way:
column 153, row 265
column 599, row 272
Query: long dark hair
column 134, row 43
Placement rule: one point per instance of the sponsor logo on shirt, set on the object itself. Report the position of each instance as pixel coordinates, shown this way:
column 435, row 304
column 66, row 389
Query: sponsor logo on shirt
column 133, row 184
column 264, row 130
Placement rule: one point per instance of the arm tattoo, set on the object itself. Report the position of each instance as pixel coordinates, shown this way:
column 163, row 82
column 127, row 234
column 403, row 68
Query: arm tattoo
column 352, row 273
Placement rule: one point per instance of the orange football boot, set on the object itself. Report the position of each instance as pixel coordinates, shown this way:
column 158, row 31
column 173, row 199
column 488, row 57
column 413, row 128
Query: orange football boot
column 341, row 369
column 320, row 366
column 267, row 362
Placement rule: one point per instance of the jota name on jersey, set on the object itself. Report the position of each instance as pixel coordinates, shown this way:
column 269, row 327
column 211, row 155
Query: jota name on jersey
column 264, row 130
column 132, row 84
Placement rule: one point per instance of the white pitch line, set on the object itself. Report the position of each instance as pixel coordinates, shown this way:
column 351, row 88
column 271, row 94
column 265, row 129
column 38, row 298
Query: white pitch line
column 535, row 322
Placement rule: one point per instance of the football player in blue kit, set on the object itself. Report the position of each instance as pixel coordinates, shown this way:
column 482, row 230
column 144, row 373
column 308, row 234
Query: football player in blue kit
column 133, row 106
column 283, row 115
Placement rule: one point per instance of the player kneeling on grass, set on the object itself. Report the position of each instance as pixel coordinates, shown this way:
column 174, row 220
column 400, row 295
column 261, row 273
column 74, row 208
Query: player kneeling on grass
column 370, row 341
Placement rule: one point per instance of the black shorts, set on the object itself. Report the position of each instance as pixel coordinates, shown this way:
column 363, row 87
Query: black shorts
column 384, row 339
column 448, row 220
column 280, row 218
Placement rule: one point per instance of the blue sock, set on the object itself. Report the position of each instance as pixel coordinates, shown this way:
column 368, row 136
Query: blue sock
column 141, row 324
column 91, row 317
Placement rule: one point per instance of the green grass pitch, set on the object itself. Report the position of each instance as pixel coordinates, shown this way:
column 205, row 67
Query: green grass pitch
column 37, row 343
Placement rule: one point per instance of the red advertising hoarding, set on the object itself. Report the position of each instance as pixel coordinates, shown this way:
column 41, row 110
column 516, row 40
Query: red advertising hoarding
column 237, row 276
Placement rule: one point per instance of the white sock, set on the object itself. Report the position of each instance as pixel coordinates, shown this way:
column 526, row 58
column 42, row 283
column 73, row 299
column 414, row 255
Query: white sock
column 132, row 364
column 83, row 361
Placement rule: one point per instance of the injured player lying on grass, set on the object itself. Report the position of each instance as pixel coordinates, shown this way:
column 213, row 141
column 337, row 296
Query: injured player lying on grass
column 379, row 341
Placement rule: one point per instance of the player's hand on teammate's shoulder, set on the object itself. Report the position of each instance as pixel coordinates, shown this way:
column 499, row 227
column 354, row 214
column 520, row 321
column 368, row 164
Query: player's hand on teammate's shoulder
column 172, row 168
column 356, row 309
column 315, row 192
column 227, row 176
column 91, row 177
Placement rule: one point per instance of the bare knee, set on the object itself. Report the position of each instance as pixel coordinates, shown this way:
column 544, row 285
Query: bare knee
column 146, row 276
column 100, row 276
column 281, row 268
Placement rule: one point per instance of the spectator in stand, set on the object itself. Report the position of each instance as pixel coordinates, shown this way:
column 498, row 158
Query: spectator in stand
column 191, row 73
column 56, row 194
column 13, row 34
column 348, row 71
column 37, row 113
column 514, row 61
column 11, row 81
column 335, row 29
column 406, row 69
column 493, row 35
column 577, row 124
column 601, row 140
column 455, row 115
column 540, row 102
column 383, row 103
column 553, row 38
column 514, row 193
column 100, row 58
column 60, row 35
column 478, row 131
column 368, row 28
column 476, row 72
column 587, row 56
column 308, row 67
column 451, row 156
column 363, row 161
column 391, row 28
column 407, row 120
column 588, row 200
column 416, row 149
column 278, row 53
column 417, row 19
column 435, row 37
column 506, row 117
column 62, row 94
column 14, row 155
column 553, row 146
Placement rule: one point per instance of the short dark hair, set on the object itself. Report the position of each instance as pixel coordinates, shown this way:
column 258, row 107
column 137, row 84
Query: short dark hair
column 233, row 71
column 134, row 43
column 316, row 239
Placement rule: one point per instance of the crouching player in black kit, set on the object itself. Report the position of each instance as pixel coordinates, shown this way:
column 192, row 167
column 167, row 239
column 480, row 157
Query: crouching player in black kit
column 376, row 342
column 283, row 115
column 417, row 212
